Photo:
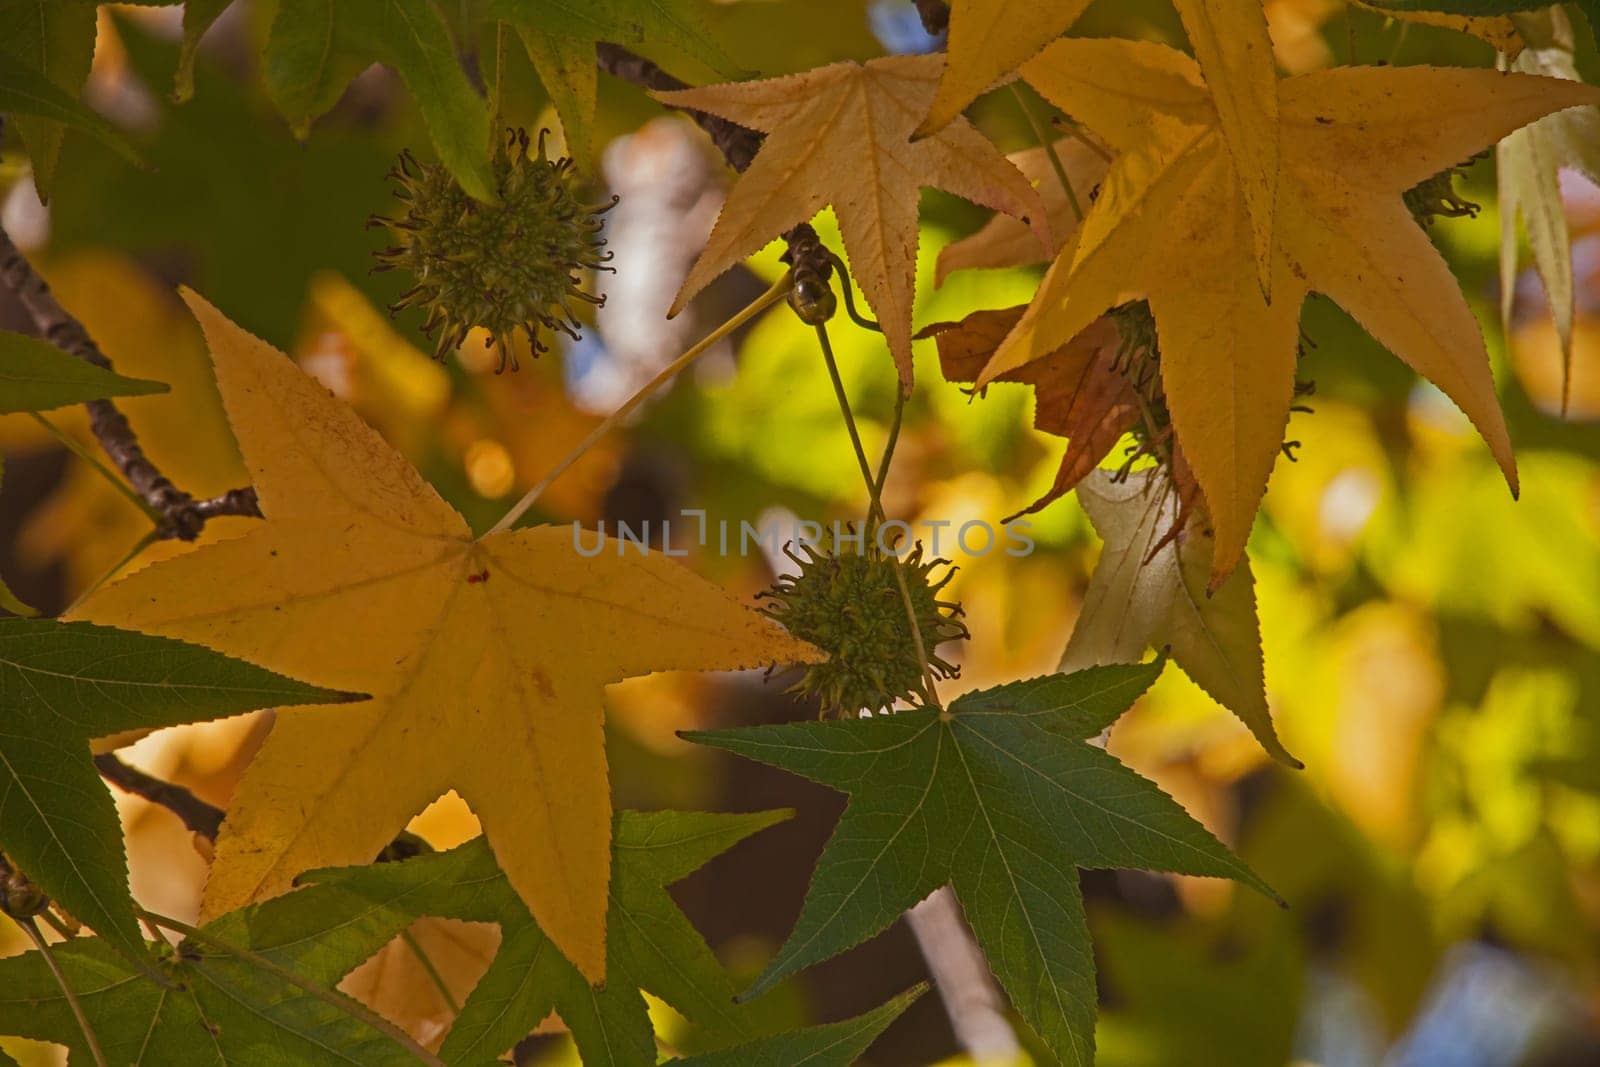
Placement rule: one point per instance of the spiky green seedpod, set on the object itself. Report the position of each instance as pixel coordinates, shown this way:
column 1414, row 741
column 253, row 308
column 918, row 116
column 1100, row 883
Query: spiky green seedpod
column 848, row 603
column 506, row 266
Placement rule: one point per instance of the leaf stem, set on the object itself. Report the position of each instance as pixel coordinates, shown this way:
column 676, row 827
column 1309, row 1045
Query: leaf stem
column 779, row 290
column 430, row 970
column 128, row 557
column 888, row 448
column 94, row 461
column 1049, row 147
column 874, row 504
column 345, row 1004
column 31, row 928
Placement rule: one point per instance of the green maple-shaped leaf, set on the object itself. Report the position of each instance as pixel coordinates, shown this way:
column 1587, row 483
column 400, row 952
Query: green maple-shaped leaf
column 830, row 1045
column 317, row 46
column 63, row 685
column 57, row 40
column 37, row 376
column 1000, row 797
column 252, row 988
column 651, row 945
column 1149, row 590
column 560, row 36
column 27, row 89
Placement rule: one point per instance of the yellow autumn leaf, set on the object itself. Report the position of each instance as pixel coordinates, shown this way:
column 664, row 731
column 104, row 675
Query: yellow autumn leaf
column 1007, row 242
column 840, row 135
column 989, row 39
column 1235, row 54
column 486, row 657
column 1171, row 226
column 1498, row 30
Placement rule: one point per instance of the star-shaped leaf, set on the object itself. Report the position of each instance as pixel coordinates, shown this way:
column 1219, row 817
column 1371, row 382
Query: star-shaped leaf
column 61, row 686
column 251, row 989
column 486, row 657
column 840, row 135
column 652, row 946
column 1402, row 8
column 1529, row 161
column 989, row 39
column 317, row 46
column 27, row 89
column 560, row 36
column 1000, row 797
column 829, row 1045
column 1171, row 226
column 37, row 376
column 1235, row 54
column 1149, row 591
column 1007, row 242
column 58, row 41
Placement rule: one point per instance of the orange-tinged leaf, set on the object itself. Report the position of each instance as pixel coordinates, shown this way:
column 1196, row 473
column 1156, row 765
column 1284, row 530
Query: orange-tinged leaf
column 1007, row 242
column 1171, row 226
column 1230, row 41
column 840, row 135
column 1081, row 394
column 989, row 39
column 486, row 657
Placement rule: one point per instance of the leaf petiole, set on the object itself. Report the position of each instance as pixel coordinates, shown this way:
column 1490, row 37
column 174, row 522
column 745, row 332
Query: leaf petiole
column 31, row 928
column 779, row 290
column 105, row 472
column 350, row 1007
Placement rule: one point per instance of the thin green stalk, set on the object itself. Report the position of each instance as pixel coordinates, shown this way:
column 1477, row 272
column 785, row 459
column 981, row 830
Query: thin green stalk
column 779, row 290
column 31, row 928
column 874, row 505
column 432, row 971
column 888, row 448
column 1049, row 147
column 105, row 472
column 350, row 1007
column 128, row 557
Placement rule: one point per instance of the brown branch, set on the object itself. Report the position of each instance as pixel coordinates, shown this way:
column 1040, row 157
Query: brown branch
column 200, row 817
column 935, row 16
column 204, row 818
column 181, row 515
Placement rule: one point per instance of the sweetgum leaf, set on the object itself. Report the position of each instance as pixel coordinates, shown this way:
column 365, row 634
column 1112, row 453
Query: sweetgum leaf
column 61, row 686
column 218, row 1008
column 317, row 46
column 57, row 39
column 486, row 656
column 37, row 376
column 1000, row 797
column 1590, row 8
column 26, row 89
column 560, row 38
column 652, row 946
column 830, row 1045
